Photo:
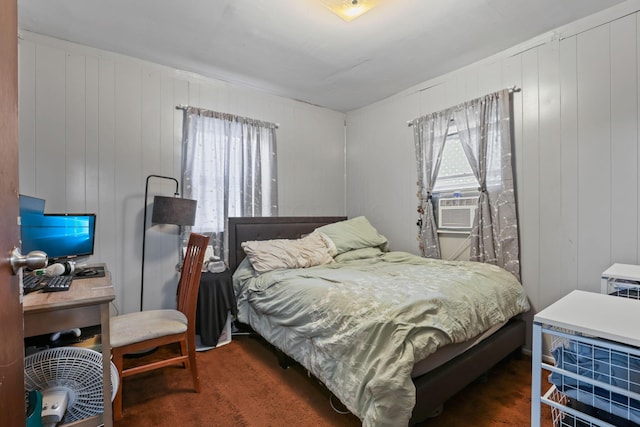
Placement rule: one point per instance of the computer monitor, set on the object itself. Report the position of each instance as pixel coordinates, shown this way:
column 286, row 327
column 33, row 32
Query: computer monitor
column 30, row 204
column 61, row 236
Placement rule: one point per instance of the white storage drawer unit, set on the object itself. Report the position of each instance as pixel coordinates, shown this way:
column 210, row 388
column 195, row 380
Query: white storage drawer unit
column 597, row 351
column 621, row 280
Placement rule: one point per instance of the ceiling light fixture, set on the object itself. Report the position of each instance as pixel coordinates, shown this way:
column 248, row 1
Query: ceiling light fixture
column 349, row 9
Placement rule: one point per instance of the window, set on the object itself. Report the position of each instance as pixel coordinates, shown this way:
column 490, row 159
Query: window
column 229, row 166
column 485, row 128
column 455, row 173
column 455, row 177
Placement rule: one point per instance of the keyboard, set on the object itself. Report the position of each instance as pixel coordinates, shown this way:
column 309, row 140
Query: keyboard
column 57, row 283
column 32, row 283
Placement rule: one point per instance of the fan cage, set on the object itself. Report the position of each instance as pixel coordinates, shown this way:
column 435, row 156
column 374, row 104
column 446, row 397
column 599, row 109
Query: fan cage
column 79, row 371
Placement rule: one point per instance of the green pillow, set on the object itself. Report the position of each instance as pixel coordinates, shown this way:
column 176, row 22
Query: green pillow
column 354, row 233
column 356, row 254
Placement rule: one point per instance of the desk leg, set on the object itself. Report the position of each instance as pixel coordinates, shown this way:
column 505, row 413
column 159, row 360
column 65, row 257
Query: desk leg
column 107, row 416
column 536, row 374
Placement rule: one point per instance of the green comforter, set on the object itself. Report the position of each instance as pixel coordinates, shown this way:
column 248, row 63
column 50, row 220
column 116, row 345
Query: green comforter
column 361, row 325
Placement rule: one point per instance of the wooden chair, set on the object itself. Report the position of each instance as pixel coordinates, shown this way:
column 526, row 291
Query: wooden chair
column 144, row 330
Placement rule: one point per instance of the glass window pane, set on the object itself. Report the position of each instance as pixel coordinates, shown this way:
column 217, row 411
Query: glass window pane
column 455, row 172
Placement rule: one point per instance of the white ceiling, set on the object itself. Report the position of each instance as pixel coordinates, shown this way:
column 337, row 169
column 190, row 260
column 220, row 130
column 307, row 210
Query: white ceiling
column 299, row 49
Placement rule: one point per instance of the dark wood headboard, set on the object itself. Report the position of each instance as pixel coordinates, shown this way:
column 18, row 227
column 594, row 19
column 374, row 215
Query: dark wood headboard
column 268, row 228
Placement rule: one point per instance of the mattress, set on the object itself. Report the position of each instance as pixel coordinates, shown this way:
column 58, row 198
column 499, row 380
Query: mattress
column 448, row 352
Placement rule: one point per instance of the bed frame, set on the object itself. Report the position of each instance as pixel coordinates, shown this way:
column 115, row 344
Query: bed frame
column 434, row 388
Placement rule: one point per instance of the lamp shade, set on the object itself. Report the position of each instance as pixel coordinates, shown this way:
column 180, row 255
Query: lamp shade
column 173, row 210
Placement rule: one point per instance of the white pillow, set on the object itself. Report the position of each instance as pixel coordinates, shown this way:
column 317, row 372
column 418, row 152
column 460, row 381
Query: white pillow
column 308, row 251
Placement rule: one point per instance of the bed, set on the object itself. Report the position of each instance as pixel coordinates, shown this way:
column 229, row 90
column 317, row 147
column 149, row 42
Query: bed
column 386, row 401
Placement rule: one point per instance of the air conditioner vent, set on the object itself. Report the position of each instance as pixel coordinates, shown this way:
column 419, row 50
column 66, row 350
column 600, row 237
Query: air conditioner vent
column 457, row 212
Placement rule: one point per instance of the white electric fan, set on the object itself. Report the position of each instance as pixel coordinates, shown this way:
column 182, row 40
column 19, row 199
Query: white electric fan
column 70, row 380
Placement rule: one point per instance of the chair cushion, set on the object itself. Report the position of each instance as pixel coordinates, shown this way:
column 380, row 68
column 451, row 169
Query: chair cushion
column 140, row 326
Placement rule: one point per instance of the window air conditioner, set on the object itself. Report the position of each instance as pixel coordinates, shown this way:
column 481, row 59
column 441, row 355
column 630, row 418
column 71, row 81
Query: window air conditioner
column 457, row 212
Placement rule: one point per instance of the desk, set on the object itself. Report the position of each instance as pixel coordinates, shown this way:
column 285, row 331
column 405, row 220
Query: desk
column 216, row 299
column 86, row 303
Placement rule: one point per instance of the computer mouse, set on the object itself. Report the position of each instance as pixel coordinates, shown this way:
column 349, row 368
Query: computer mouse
column 87, row 272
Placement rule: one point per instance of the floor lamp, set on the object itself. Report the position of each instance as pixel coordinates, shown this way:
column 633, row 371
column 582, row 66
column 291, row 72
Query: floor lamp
column 166, row 210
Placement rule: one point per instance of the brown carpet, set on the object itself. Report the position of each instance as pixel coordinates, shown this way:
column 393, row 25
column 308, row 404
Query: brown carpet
column 243, row 385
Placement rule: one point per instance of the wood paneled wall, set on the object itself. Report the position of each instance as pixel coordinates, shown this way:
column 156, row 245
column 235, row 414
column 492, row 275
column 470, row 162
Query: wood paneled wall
column 576, row 150
column 94, row 125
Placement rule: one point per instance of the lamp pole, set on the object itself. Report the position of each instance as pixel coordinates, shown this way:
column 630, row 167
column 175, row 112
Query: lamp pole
column 144, row 228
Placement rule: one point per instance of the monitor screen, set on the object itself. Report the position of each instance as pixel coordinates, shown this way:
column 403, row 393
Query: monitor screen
column 61, row 236
column 29, row 204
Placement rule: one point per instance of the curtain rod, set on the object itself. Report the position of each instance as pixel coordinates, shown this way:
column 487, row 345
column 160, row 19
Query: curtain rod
column 512, row 89
column 184, row 107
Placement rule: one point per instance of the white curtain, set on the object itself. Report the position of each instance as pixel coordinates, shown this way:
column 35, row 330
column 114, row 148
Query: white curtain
column 430, row 134
column 230, row 168
column 484, row 129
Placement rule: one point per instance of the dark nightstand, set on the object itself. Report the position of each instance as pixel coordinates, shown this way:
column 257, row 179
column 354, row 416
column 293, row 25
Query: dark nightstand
column 216, row 300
